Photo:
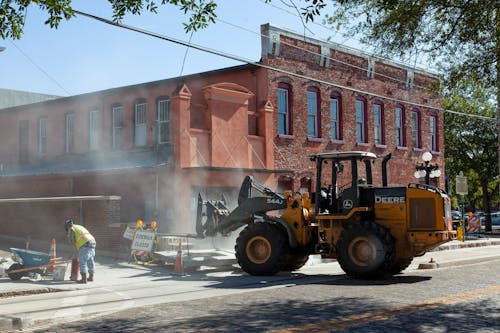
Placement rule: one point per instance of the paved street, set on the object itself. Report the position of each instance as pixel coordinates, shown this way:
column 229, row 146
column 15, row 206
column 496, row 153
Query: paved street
column 452, row 299
column 128, row 296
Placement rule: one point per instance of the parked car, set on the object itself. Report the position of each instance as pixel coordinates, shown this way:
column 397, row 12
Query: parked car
column 495, row 218
column 456, row 215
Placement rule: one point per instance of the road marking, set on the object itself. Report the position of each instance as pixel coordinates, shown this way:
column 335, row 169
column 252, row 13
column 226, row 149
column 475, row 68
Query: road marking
column 385, row 314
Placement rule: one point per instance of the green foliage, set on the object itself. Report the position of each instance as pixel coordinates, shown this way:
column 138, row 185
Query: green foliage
column 472, row 142
column 13, row 12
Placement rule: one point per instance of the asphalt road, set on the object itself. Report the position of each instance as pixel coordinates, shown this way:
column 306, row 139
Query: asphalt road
column 459, row 298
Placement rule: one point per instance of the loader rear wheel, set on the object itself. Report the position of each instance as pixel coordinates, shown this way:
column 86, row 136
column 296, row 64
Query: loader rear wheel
column 261, row 249
column 365, row 250
column 15, row 275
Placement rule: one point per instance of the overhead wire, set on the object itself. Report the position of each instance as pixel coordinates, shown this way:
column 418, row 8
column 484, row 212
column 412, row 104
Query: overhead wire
column 40, row 68
column 364, row 69
column 351, row 37
column 258, row 64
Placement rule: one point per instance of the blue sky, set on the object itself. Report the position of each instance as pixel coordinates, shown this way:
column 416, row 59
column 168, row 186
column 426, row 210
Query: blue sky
column 84, row 55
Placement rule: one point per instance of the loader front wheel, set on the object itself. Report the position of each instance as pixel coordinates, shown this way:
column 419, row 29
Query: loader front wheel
column 365, row 250
column 261, row 249
column 295, row 262
column 400, row 265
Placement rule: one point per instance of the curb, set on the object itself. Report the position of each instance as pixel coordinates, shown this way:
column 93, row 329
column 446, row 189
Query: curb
column 10, row 323
column 467, row 244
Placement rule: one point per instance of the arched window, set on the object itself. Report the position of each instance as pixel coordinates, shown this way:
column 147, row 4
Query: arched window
column 140, row 127
column 361, row 130
column 433, row 130
column 400, row 126
column 285, row 183
column 378, row 123
column 313, row 113
column 284, row 109
column 163, row 120
column 305, row 184
column 335, row 116
column 415, row 129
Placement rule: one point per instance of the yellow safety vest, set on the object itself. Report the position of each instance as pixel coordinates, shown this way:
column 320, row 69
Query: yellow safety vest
column 82, row 236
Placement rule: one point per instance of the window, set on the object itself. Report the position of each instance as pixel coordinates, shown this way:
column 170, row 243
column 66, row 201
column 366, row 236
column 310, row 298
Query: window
column 313, row 113
column 415, row 129
column 285, row 183
column 433, row 133
column 400, row 129
column 335, row 117
column 163, row 121
column 23, row 141
column 116, row 139
column 140, row 124
column 68, row 133
column 378, row 123
column 42, row 136
column 94, row 130
column 360, row 120
column 284, row 109
column 305, row 185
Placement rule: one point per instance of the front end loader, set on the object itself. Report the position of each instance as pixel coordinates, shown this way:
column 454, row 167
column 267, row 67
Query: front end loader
column 372, row 231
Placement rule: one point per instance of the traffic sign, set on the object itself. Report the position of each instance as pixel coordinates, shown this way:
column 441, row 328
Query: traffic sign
column 461, row 184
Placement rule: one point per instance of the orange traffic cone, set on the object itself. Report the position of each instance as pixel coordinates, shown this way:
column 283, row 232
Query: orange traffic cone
column 75, row 269
column 179, row 267
column 50, row 266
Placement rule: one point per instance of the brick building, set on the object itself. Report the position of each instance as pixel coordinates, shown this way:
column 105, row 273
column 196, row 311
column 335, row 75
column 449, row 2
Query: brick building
column 156, row 145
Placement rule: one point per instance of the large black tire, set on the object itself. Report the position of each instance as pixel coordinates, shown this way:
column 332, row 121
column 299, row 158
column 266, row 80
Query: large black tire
column 365, row 250
column 15, row 275
column 261, row 249
column 295, row 262
column 400, row 265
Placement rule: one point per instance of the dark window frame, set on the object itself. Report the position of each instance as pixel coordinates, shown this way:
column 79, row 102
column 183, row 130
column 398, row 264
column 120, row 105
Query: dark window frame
column 338, row 97
column 364, row 133
column 287, row 127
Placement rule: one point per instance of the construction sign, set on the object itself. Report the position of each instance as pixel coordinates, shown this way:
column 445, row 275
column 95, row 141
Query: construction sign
column 129, row 233
column 474, row 224
column 143, row 242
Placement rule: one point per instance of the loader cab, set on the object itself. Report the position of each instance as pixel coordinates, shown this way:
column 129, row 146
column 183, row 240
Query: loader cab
column 333, row 198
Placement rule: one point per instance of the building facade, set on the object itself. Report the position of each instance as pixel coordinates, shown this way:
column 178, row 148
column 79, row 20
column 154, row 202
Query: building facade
column 157, row 145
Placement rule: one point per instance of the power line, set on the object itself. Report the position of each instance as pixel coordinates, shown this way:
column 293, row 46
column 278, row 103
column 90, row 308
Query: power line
column 257, row 64
column 40, row 68
column 324, row 27
column 364, row 69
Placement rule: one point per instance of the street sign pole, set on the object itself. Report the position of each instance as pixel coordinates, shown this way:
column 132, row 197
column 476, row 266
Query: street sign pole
column 462, row 189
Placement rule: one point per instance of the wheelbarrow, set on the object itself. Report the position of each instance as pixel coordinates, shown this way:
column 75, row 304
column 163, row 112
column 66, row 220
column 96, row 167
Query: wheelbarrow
column 28, row 263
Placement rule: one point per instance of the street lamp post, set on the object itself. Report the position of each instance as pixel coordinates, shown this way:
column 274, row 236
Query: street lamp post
column 426, row 169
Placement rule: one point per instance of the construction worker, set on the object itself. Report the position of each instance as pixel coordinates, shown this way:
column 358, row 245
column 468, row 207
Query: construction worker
column 85, row 244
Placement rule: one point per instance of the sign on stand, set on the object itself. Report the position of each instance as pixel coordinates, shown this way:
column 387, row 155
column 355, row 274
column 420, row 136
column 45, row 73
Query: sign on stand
column 129, row 233
column 143, row 242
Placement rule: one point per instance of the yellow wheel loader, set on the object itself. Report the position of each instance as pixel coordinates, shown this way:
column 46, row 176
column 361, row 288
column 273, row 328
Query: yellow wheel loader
column 373, row 232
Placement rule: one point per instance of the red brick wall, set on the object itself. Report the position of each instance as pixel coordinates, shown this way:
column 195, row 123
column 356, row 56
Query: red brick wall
column 349, row 70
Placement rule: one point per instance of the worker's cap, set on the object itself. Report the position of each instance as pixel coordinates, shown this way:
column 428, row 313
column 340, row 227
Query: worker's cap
column 68, row 223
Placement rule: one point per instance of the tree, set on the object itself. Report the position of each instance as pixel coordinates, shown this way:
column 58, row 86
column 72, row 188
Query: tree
column 471, row 143
column 13, row 12
column 462, row 35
